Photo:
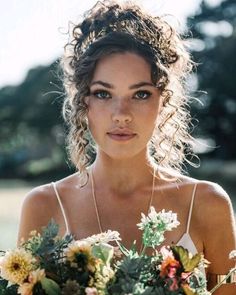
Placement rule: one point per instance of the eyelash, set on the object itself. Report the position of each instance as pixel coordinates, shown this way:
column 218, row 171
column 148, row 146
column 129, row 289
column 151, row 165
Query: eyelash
column 96, row 93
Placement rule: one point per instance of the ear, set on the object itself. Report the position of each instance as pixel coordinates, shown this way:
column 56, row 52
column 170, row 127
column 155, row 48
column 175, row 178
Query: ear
column 161, row 101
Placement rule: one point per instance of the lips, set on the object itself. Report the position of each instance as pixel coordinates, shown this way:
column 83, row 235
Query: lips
column 121, row 135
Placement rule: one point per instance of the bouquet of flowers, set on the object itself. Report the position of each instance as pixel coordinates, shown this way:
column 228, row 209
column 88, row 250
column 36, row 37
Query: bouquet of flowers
column 49, row 265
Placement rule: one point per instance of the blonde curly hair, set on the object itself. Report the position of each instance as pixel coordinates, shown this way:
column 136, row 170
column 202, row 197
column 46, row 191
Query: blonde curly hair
column 108, row 28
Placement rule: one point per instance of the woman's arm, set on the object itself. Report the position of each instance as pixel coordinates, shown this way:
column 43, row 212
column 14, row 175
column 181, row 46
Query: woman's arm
column 219, row 234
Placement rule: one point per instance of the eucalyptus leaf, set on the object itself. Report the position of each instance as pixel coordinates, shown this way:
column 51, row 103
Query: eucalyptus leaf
column 51, row 230
column 50, row 287
column 103, row 251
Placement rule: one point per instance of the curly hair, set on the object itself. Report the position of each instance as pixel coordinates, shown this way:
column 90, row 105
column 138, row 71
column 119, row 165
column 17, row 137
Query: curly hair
column 109, row 28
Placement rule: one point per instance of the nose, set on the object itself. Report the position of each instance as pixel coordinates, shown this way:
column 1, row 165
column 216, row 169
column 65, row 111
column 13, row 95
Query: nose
column 121, row 112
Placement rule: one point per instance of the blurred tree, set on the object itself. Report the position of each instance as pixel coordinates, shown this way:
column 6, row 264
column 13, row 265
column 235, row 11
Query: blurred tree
column 213, row 47
column 32, row 131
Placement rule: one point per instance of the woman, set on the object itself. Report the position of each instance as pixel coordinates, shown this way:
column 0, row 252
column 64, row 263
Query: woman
column 124, row 75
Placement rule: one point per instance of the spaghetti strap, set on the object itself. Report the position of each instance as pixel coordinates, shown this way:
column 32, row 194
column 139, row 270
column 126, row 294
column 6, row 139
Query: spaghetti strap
column 61, row 206
column 191, row 208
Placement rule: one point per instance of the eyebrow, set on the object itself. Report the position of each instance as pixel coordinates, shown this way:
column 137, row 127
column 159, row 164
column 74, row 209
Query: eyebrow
column 111, row 86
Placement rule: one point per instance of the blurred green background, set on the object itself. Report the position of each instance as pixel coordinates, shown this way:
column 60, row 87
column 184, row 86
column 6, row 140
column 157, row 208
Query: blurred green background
column 32, row 133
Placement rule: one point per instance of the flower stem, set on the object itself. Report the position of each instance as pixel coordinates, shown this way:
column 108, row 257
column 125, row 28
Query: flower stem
column 142, row 250
column 222, row 282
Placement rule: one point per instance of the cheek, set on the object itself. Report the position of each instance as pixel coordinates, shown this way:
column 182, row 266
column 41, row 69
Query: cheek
column 151, row 113
column 96, row 120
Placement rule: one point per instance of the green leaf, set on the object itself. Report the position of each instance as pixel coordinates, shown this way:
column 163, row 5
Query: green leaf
column 51, row 230
column 3, row 284
column 183, row 256
column 50, row 287
column 122, row 248
column 103, row 251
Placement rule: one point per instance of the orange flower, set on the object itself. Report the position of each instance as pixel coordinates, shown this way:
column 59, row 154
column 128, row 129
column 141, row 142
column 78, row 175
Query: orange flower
column 169, row 267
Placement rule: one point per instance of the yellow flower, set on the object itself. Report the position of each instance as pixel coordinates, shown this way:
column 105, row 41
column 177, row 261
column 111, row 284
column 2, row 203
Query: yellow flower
column 33, row 278
column 77, row 247
column 34, row 233
column 86, row 260
column 16, row 265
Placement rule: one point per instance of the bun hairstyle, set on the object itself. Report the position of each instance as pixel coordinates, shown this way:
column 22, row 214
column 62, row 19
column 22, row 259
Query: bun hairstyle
column 109, row 28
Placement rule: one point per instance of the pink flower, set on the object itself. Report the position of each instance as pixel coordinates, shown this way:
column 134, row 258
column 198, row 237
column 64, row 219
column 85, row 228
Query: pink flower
column 91, row 291
column 174, row 286
column 34, row 277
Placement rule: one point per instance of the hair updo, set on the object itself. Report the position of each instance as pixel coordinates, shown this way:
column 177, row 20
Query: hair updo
column 109, row 28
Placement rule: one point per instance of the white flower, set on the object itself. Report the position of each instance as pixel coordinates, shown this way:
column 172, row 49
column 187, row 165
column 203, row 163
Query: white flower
column 144, row 221
column 154, row 219
column 169, row 218
column 165, row 252
column 104, row 237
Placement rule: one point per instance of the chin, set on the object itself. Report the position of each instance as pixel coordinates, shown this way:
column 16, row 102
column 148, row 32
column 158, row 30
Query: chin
column 125, row 154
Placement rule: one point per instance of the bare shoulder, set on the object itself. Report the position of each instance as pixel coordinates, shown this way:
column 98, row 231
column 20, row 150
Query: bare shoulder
column 41, row 205
column 213, row 198
column 215, row 207
column 208, row 193
column 37, row 210
column 39, row 198
column 212, row 203
column 218, row 224
column 44, row 196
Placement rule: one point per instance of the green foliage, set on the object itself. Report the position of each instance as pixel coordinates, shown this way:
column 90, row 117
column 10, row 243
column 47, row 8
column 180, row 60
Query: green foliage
column 103, row 252
column 131, row 271
column 50, row 287
column 182, row 255
column 49, row 248
column 32, row 126
column 135, row 276
column 48, row 242
column 65, row 266
column 11, row 290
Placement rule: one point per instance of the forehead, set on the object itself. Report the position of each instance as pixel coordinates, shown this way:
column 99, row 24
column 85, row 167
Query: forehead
column 123, row 67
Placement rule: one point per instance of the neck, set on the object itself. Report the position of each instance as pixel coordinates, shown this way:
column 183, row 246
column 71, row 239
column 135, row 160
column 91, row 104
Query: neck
column 123, row 175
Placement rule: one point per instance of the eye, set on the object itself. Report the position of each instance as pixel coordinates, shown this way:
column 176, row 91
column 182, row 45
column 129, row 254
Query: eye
column 142, row 94
column 101, row 94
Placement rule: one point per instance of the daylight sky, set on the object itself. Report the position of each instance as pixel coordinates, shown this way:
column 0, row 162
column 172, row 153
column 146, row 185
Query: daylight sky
column 31, row 31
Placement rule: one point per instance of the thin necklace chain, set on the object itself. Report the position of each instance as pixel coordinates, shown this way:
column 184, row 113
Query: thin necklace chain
column 96, row 205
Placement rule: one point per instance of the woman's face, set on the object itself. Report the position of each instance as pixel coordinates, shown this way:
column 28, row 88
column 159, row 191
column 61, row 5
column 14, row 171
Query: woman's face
column 123, row 105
